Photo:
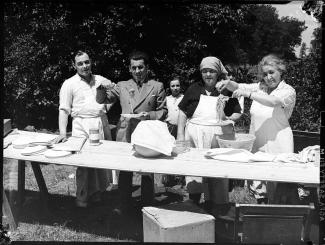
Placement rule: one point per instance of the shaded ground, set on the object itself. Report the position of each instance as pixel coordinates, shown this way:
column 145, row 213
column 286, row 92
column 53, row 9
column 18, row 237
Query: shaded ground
column 63, row 221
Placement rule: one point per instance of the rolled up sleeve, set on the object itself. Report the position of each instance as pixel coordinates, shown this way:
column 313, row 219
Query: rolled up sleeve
column 66, row 97
column 287, row 96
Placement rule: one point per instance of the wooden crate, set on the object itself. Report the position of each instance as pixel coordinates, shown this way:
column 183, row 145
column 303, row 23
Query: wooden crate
column 180, row 222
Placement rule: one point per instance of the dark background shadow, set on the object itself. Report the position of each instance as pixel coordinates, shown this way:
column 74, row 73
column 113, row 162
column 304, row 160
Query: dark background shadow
column 96, row 219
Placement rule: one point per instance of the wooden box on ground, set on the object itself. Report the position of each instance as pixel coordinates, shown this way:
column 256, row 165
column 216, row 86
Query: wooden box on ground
column 179, row 222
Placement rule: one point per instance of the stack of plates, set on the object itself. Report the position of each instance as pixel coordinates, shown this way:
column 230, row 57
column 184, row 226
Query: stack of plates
column 25, row 141
column 21, row 142
column 33, row 150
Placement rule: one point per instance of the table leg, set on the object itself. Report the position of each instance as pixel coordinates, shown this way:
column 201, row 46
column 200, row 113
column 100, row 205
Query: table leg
column 41, row 183
column 21, row 183
column 8, row 212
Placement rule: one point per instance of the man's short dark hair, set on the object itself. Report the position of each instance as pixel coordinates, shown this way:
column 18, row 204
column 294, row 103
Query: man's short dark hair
column 139, row 55
column 77, row 53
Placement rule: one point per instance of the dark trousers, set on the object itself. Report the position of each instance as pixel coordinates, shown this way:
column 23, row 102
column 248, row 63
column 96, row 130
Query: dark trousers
column 172, row 129
column 125, row 189
column 125, row 178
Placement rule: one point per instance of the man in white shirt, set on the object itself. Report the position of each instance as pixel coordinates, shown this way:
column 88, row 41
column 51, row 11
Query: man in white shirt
column 78, row 99
column 172, row 102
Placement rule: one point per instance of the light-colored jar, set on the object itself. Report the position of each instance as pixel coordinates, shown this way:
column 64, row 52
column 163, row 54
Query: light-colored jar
column 94, row 136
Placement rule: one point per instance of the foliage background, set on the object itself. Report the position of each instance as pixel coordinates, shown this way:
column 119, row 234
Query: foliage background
column 39, row 38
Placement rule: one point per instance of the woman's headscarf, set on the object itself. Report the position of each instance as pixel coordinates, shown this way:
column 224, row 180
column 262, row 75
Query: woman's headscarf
column 213, row 63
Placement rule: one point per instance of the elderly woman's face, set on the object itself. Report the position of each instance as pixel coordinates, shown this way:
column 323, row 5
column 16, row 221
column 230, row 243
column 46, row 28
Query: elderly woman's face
column 209, row 77
column 271, row 76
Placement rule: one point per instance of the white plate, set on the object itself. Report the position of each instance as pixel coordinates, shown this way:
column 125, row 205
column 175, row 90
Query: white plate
column 33, row 150
column 55, row 154
column 21, row 142
column 131, row 115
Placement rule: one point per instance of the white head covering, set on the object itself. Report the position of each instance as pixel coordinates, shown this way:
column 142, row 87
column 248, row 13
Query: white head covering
column 153, row 134
column 213, row 63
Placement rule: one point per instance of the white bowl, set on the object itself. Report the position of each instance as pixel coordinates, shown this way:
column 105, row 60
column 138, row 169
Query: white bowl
column 241, row 141
column 146, row 152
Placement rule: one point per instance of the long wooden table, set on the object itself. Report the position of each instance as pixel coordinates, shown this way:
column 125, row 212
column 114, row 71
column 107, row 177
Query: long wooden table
column 120, row 156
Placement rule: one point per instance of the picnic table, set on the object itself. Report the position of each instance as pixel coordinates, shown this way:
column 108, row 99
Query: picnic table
column 120, row 156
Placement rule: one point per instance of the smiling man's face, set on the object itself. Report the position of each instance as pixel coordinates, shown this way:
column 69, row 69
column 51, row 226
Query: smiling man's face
column 83, row 65
column 139, row 70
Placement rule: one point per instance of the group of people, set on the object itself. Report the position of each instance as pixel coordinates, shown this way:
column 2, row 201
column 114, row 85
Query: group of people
column 191, row 117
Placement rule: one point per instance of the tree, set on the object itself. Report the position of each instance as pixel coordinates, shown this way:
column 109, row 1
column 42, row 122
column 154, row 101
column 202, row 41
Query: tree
column 263, row 32
column 39, row 38
column 304, row 75
column 316, row 42
column 314, row 8
column 34, row 61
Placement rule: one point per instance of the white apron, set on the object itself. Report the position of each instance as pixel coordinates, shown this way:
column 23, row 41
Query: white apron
column 271, row 128
column 201, row 131
column 273, row 134
column 89, row 180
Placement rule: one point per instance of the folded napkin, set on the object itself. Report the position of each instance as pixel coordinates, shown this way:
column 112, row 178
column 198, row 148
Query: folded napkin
column 288, row 158
column 229, row 154
column 309, row 154
column 72, row 144
column 239, row 155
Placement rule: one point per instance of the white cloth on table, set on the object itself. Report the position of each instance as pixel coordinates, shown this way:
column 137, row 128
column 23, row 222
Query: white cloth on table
column 153, row 134
column 242, row 155
column 239, row 155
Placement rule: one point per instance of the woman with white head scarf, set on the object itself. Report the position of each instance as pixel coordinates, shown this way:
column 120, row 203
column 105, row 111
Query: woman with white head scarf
column 200, row 120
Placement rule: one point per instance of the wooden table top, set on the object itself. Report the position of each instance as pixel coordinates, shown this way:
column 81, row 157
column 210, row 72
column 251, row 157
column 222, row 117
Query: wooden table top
column 120, row 156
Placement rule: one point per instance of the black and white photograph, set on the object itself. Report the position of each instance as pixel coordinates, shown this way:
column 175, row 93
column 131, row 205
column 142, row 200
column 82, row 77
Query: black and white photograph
column 162, row 121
